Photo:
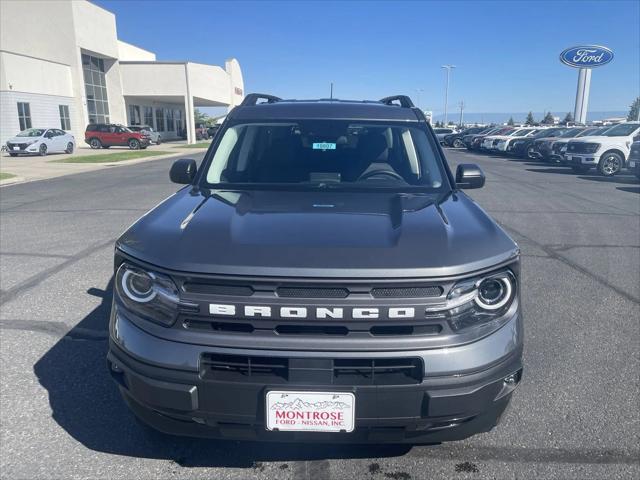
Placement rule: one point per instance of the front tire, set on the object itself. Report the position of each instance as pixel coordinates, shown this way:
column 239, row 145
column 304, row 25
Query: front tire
column 42, row 151
column 69, row 148
column 158, row 141
column 457, row 143
column 610, row 164
column 13, row 154
column 134, row 144
column 95, row 143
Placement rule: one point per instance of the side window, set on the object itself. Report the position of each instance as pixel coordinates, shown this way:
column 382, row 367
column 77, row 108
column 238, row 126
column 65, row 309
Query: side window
column 91, row 128
column 65, row 121
column 103, row 128
column 24, row 115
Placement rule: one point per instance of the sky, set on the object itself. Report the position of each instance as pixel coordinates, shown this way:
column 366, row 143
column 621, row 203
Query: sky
column 506, row 53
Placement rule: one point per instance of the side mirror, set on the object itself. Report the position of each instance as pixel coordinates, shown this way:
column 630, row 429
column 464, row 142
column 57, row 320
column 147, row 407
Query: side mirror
column 183, row 171
column 469, row 175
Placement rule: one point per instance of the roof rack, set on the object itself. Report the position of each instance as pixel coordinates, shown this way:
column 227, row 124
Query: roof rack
column 404, row 100
column 252, row 99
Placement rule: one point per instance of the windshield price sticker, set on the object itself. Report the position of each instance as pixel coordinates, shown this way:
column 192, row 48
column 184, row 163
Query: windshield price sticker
column 324, row 146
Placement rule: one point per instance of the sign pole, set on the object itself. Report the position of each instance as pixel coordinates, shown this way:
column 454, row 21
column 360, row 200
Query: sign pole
column 582, row 96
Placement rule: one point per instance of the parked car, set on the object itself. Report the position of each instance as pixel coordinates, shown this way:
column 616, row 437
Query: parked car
column 634, row 159
column 455, row 139
column 608, row 152
column 559, row 148
column 546, row 147
column 105, row 135
column 489, row 141
column 474, row 142
column 503, row 143
column 40, row 141
column 202, row 132
column 211, row 131
column 441, row 132
column 154, row 136
column 259, row 312
column 525, row 147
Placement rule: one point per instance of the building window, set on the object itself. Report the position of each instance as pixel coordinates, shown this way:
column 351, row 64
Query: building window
column 134, row 115
column 65, row 121
column 24, row 115
column 178, row 117
column 148, row 116
column 170, row 124
column 95, row 87
column 160, row 126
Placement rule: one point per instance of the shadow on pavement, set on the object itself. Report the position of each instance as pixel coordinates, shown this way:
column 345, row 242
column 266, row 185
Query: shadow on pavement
column 629, row 189
column 621, row 178
column 86, row 404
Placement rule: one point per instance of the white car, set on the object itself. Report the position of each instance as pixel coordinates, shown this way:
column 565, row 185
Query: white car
column 503, row 143
column 41, row 141
column 608, row 152
column 491, row 142
column 441, row 132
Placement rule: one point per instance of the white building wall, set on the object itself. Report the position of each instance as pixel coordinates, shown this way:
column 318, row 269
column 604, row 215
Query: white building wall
column 26, row 74
column 45, row 112
column 131, row 53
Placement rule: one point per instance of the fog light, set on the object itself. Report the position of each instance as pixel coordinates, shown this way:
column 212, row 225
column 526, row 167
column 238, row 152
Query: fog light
column 116, row 368
column 511, row 379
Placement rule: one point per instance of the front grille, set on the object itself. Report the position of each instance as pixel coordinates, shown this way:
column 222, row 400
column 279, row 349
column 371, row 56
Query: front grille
column 316, row 371
column 216, row 289
column 312, row 292
column 22, row 146
column 582, row 147
column 406, row 292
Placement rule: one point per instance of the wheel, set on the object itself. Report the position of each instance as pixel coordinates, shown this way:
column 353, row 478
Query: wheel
column 531, row 150
column 610, row 164
column 134, row 144
column 13, row 154
column 42, row 150
column 69, row 148
column 458, row 143
column 95, row 143
column 158, row 141
column 580, row 168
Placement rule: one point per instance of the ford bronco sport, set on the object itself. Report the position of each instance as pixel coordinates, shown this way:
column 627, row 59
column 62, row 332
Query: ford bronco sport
column 321, row 277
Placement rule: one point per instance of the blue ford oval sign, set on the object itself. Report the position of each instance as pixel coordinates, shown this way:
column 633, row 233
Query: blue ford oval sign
column 587, row 56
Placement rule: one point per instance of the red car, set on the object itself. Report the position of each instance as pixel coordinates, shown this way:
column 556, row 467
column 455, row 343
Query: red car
column 105, row 135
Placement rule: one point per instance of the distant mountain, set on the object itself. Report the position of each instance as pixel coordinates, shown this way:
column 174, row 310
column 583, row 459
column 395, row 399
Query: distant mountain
column 299, row 404
column 520, row 117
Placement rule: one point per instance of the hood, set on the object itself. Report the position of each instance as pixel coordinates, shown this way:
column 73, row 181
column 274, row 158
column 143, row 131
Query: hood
column 591, row 138
column 318, row 234
column 24, row 139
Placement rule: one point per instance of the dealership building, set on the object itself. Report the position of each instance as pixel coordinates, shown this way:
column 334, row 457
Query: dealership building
column 62, row 66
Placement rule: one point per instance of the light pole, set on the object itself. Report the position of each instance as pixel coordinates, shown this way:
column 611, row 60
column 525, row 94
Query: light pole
column 446, row 91
column 461, row 105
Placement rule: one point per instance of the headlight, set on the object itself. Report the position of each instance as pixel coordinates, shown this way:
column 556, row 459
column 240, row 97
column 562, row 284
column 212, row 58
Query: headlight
column 477, row 301
column 591, row 147
column 151, row 295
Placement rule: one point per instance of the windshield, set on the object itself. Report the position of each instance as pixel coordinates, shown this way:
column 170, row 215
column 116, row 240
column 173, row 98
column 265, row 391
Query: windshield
column 31, row 132
column 572, row 132
column 521, row 133
column 593, row 132
column 326, row 154
column 622, row 130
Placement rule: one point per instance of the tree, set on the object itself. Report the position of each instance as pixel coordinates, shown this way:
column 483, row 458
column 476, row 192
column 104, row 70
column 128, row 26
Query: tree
column 568, row 118
column 438, row 124
column 200, row 118
column 634, row 111
column 511, row 122
column 530, row 120
column 548, row 119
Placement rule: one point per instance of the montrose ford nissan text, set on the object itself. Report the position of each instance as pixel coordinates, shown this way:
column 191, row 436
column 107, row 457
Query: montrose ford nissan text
column 321, row 276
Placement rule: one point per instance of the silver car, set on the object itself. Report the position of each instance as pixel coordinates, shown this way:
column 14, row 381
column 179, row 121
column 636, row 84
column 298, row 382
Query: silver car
column 40, row 141
column 154, row 136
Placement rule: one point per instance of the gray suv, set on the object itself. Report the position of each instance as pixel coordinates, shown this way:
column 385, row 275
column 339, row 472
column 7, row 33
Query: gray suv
column 321, row 276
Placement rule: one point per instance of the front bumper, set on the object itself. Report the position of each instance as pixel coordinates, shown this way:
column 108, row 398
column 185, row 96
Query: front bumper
column 462, row 390
column 589, row 159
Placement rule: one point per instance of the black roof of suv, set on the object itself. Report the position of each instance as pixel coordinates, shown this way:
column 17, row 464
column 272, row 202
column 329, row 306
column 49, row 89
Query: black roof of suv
column 394, row 108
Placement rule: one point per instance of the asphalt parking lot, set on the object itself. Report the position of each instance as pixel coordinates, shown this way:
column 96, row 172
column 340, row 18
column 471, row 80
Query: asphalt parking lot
column 575, row 415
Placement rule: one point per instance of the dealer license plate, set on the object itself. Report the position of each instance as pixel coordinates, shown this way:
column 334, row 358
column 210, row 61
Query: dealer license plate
column 310, row 411
column 16, row 148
